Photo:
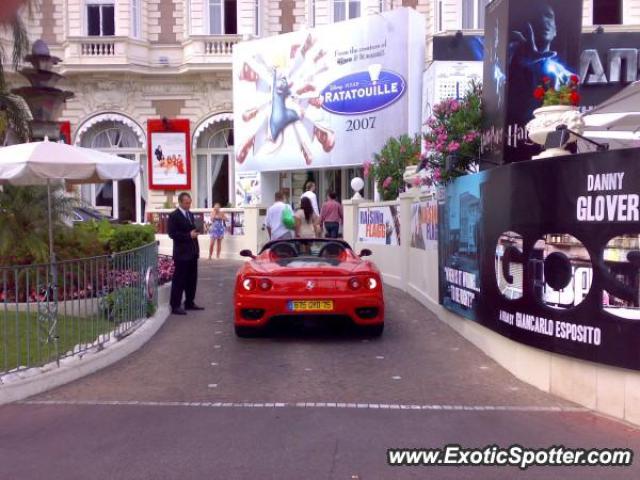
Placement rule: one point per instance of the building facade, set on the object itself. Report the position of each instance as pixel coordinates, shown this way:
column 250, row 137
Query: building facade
column 129, row 61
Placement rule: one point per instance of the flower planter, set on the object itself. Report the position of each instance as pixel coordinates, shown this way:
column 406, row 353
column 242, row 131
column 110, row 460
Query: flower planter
column 545, row 121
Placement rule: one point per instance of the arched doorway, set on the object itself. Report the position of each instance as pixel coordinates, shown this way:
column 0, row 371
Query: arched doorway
column 120, row 136
column 214, row 164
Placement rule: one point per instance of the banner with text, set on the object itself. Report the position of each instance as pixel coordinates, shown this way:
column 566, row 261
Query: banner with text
column 424, row 225
column 554, row 265
column 525, row 42
column 379, row 225
column 327, row 96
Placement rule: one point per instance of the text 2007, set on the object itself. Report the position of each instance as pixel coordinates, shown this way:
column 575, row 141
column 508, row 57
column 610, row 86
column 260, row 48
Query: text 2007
column 361, row 124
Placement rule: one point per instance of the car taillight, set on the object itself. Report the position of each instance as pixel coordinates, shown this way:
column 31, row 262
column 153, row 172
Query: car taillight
column 248, row 284
column 372, row 283
column 354, row 283
column 265, row 284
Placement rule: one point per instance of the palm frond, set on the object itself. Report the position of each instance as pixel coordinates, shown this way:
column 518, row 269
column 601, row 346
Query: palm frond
column 24, row 221
column 19, row 34
column 16, row 113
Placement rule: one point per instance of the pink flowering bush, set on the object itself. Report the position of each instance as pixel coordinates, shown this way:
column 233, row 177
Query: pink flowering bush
column 389, row 165
column 452, row 142
column 165, row 269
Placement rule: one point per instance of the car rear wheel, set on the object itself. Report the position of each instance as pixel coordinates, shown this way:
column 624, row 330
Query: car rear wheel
column 248, row 332
column 373, row 330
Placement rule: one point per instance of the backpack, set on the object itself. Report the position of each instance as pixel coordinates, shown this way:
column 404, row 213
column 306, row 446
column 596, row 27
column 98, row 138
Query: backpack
column 287, row 218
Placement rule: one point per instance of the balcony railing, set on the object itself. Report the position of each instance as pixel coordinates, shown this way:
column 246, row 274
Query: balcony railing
column 98, row 48
column 222, row 45
column 120, row 52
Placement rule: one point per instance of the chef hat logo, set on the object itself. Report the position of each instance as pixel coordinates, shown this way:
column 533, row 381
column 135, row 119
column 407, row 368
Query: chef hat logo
column 374, row 72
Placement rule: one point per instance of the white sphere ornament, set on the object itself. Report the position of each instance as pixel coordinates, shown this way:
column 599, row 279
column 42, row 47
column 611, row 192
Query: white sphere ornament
column 357, row 184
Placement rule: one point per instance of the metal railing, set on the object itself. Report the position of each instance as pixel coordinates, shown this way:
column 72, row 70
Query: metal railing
column 100, row 300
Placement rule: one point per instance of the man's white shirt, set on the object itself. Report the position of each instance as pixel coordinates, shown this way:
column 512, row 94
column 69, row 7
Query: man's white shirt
column 274, row 220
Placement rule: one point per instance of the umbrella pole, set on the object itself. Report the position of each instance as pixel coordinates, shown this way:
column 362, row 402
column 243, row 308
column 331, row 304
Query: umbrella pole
column 51, row 254
column 53, row 304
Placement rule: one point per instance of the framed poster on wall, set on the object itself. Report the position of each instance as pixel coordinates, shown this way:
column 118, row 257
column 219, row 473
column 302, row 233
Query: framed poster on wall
column 169, row 154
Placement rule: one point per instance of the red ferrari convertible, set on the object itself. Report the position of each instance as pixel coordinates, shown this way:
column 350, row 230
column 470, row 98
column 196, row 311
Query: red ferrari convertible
column 307, row 277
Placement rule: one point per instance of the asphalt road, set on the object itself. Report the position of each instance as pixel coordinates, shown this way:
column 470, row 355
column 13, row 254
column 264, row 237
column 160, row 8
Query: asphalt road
column 312, row 402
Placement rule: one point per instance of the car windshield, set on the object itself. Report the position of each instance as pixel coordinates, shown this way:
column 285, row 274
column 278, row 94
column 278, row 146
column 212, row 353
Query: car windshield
column 307, row 249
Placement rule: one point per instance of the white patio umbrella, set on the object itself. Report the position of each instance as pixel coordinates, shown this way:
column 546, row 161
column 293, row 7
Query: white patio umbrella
column 41, row 163
column 617, row 119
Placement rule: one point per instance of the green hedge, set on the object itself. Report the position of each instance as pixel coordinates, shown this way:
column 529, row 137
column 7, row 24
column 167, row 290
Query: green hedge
column 118, row 238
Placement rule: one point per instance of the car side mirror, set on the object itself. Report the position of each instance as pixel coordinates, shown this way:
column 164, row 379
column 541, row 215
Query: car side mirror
column 247, row 253
column 365, row 252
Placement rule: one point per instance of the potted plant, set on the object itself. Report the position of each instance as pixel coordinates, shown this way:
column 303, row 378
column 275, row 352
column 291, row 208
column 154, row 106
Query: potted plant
column 390, row 165
column 559, row 107
column 452, row 142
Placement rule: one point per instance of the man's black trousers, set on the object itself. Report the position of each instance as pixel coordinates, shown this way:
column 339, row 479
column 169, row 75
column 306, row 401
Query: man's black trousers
column 185, row 279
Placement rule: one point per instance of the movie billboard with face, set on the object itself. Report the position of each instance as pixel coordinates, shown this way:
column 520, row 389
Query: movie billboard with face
column 329, row 96
column 525, row 43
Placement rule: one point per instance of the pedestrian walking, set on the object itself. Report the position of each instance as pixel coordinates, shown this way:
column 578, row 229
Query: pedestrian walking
column 216, row 231
column 310, row 193
column 274, row 222
column 186, row 251
column 331, row 216
column 307, row 221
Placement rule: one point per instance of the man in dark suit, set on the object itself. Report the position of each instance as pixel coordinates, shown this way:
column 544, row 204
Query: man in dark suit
column 182, row 230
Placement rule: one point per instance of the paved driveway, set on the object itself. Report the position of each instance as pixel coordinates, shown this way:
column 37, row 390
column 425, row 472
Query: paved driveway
column 306, row 402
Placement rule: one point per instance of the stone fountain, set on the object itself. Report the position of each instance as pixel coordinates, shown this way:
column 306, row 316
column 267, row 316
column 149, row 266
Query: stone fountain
column 45, row 100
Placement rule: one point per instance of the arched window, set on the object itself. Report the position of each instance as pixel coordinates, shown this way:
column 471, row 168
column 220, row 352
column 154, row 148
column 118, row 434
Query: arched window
column 126, row 198
column 214, row 165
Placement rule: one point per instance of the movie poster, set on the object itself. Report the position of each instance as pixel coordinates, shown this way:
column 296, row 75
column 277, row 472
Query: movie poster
column 554, row 265
column 311, row 98
column 524, row 42
column 248, row 189
column 379, row 225
column 424, row 225
column 169, row 154
column 169, row 158
column 459, row 239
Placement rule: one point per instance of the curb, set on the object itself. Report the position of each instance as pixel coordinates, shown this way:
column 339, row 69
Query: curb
column 80, row 367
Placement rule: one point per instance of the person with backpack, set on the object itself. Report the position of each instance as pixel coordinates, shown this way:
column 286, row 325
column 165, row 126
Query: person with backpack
column 280, row 222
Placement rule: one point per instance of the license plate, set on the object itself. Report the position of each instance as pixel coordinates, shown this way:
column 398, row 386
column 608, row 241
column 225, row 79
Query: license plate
column 310, row 305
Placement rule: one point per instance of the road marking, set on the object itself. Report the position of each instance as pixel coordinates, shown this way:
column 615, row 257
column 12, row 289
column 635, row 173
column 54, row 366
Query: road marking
column 368, row 406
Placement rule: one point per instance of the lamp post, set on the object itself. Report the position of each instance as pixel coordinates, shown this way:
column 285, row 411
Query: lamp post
column 45, row 100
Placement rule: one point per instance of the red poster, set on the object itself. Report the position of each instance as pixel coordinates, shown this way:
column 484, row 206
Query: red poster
column 169, row 154
column 65, row 132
